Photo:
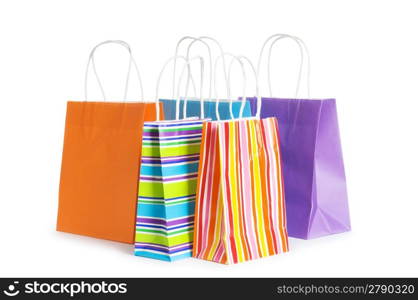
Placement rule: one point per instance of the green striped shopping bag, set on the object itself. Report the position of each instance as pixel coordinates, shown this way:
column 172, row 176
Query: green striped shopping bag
column 167, row 188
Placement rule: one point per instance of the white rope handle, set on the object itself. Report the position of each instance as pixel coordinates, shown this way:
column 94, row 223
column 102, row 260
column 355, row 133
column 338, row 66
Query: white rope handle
column 221, row 51
column 244, row 87
column 174, row 58
column 202, row 104
column 190, row 78
column 303, row 50
column 269, row 66
column 131, row 61
column 175, row 63
column 244, row 76
column 257, row 89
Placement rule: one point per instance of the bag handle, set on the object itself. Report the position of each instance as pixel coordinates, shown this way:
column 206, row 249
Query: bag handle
column 187, row 62
column 202, row 104
column 244, row 76
column 257, row 88
column 185, row 38
column 131, row 61
column 190, row 78
column 303, row 50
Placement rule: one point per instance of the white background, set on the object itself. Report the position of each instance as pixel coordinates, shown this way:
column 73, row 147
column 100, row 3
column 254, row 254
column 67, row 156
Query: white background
column 364, row 53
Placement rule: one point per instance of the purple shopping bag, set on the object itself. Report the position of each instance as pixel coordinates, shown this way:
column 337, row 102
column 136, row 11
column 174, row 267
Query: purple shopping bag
column 313, row 168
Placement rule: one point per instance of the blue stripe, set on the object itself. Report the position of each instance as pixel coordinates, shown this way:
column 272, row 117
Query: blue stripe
column 166, row 212
column 193, row 109
column 169, row 170
column 151, row 171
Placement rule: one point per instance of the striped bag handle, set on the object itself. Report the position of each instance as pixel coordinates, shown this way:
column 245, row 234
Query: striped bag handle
column 131, row 61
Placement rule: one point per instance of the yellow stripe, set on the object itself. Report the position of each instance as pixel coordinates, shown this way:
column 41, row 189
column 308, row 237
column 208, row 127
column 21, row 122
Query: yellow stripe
column 234, row 190
column 257, row 188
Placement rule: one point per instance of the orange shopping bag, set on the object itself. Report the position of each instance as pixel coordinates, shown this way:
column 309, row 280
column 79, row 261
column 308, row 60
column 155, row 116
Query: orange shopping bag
column 100, row 165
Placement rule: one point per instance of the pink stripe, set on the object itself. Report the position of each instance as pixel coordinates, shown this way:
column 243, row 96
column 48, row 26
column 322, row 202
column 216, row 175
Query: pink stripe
column 220, row 250
column 247, row 190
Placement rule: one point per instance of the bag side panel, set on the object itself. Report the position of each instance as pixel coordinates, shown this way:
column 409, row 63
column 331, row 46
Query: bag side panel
column 180, row 148
column 151, row 235
column 209, row 215
column 331, row 214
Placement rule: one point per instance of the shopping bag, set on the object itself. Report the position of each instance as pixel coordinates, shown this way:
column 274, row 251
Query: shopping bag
column 193, row 108
column 99, row 172
column 167, row 188
column 240, row 210
column 313, row 167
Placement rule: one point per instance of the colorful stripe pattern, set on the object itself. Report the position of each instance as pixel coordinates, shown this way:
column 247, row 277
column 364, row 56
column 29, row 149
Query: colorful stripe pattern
column 240, row 209
column 167, row 189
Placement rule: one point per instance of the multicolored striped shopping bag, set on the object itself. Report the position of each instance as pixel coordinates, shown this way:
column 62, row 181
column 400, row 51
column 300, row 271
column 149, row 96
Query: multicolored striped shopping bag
column 167, row 188
column 240, row 209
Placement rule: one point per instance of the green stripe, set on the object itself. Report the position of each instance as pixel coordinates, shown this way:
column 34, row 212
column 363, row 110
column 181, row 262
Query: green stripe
column 180, row 189
column 169, row 190
column 163, row 240
column 151, row 189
